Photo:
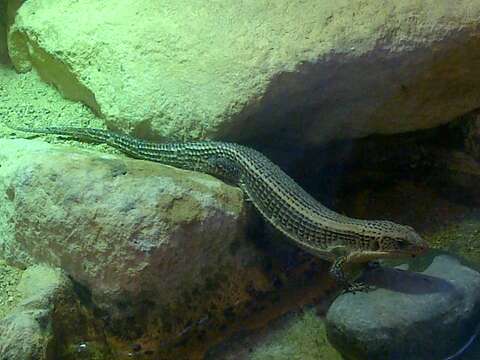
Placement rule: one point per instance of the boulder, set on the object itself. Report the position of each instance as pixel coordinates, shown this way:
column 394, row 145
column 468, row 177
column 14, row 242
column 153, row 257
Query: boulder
column 304, row 72
column 427, row 315
column 41, row 325
column 133, row 233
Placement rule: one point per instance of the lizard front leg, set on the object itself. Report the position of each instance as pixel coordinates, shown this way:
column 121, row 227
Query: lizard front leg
column 337, row 271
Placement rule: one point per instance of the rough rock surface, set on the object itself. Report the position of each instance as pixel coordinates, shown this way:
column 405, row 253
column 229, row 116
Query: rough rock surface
column 130, row 231
column 305, row 71
column 428, row 315
column 28, row 332
column 23, row 337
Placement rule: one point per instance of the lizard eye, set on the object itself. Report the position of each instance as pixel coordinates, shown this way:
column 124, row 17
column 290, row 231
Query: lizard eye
column 403, row 245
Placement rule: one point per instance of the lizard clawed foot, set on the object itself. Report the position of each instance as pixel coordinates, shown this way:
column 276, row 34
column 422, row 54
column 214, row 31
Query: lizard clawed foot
column 357, row 287
column 336, row 271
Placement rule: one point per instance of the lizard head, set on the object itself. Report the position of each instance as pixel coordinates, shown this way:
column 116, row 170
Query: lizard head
column 395, row 240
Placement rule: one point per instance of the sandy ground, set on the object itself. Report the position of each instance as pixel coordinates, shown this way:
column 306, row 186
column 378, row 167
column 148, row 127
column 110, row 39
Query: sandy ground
column 27, row 101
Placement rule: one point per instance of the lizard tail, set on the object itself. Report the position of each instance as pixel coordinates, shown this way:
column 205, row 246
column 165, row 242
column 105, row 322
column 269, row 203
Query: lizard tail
column 93, row 135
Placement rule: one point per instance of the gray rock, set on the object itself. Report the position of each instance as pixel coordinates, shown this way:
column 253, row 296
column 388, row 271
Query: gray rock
column 428, row 315
column 236, row 70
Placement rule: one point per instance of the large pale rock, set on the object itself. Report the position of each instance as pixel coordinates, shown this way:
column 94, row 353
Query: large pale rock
column 415, row 316
column 130, row 231
column 306, row 71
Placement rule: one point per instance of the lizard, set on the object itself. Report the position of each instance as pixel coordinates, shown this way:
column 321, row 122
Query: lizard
column 306, row 222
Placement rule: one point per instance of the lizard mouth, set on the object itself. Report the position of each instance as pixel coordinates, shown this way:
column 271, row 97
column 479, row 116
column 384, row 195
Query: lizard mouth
column 415, row 252
column 400, row 253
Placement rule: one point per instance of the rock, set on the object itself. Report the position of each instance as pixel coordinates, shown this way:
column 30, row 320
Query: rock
column 236, row 70
column 23, row 337
column 133, row 233
column 427, row 315
column 41, row 325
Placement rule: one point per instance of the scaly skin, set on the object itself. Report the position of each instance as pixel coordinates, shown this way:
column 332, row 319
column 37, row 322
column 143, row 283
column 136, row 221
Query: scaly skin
column 302, row 219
